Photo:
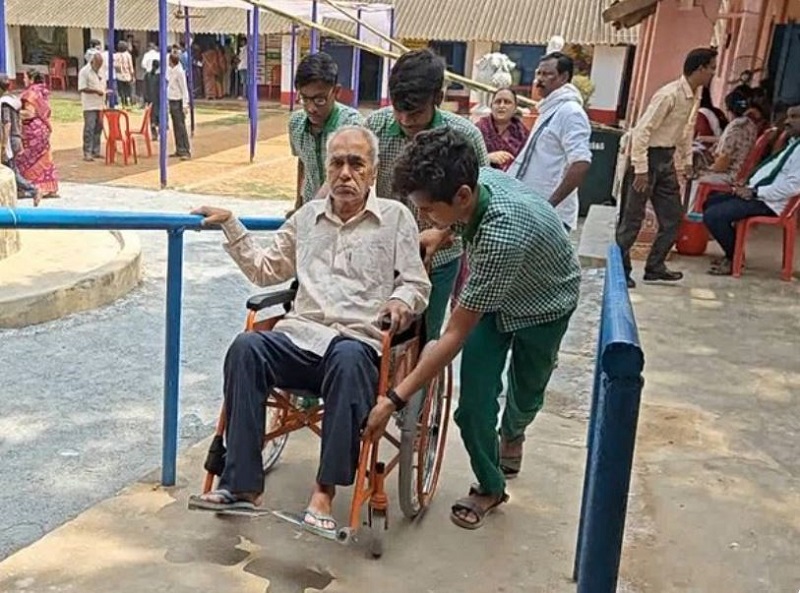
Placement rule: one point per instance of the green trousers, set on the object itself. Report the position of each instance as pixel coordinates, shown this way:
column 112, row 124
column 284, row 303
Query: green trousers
column 533, row 357
column 443, row 278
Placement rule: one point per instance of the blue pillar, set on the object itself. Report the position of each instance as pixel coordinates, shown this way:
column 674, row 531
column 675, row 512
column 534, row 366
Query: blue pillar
column 187, row 41
column 3, row 39
column 293, row 67
column 253, row 87
column 356, row 75
column 162, row 89
column 172, row 356
column 112, row 83
column 314, row 32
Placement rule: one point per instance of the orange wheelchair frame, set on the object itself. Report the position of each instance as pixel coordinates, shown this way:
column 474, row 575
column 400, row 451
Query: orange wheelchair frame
column 419, row 447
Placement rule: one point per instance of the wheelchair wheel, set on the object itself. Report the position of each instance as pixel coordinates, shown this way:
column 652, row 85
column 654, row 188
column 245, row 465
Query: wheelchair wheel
column 422, row 444
column 273, row 448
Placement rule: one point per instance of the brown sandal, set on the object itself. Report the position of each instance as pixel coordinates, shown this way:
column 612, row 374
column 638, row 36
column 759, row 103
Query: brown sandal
column 470, row 505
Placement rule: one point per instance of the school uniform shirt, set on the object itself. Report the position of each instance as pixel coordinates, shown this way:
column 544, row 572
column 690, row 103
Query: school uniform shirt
column 392, row 140
column 346, row 271
column 522, row 264
column 311, row 148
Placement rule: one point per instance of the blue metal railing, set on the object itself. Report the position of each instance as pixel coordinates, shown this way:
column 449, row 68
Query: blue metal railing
column 175, row 225
column 611, row 437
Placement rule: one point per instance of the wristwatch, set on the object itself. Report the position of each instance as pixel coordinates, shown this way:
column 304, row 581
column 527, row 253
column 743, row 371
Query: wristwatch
column 399, row 404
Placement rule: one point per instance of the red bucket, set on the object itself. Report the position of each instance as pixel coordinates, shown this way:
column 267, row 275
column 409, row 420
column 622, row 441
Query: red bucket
column 692, row 238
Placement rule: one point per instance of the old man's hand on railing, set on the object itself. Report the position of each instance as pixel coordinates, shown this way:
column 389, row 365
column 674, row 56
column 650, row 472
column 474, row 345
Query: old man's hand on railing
column 213, row 216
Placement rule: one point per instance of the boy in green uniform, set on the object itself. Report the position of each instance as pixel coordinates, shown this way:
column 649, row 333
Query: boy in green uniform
column 416, row 85
column 523, row 287
column 316, row 81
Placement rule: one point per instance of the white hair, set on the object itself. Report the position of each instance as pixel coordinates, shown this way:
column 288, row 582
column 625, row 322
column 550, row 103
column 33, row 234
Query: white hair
column 366, row 132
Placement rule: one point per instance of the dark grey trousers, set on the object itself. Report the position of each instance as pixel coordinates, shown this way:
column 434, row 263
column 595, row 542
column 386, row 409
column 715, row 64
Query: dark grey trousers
column 665, row 194
column 182, row 147
column 346, row 378
column 92, row 132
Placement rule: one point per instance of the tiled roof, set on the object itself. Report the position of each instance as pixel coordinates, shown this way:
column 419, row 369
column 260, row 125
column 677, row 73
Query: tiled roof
column 509, row 21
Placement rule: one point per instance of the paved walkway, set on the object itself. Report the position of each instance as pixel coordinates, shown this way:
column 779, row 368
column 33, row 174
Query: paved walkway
column 82, row 405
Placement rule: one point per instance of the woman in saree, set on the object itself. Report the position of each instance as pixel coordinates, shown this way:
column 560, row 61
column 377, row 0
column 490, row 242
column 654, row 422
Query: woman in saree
column 35, row 162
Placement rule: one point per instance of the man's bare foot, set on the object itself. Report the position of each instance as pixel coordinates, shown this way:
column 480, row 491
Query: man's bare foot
column 320, row 507
column 37, row 199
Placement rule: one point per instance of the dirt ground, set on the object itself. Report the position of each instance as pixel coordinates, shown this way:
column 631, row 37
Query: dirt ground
column 220, row 161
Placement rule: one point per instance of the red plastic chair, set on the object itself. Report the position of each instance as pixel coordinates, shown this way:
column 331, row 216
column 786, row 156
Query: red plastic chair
column 114, row 120
column 144, row 132
column 754, row 157
column 58, row 73
column 787, row 220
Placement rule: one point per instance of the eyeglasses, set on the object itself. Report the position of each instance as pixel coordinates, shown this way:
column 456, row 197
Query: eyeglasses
column 318, row 101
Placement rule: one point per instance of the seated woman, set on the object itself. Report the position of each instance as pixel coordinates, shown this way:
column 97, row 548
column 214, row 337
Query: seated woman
column 708, row 128
column 766, row 193
column 733, row 147
column 503, row 130
column 356, row 258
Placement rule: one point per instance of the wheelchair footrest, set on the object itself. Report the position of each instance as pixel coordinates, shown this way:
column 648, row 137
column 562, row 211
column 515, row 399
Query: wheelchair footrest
column 215, row 459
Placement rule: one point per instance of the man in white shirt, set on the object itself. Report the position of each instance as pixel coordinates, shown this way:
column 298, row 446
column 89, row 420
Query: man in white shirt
column 149, row 57
column 178, row 99
column 557, row 157
column 92, row 87
column 356, row 259
column 766, row 193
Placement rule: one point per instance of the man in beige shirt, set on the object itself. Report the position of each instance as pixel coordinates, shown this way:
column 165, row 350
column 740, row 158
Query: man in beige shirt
column 660, row 142
column 356, row 260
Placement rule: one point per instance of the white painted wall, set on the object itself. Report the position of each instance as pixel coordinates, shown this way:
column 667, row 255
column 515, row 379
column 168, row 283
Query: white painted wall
column 287, row 67
column 14, row 57
column 608, row 67
column 475, row 50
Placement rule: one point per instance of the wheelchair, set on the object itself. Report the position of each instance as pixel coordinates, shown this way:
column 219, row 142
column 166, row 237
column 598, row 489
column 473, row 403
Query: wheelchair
column 417, row 435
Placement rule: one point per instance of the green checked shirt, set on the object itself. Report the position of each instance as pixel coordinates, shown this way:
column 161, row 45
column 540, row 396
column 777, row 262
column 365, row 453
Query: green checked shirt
column 392, row 142
column 521, row 262
column 310, row 148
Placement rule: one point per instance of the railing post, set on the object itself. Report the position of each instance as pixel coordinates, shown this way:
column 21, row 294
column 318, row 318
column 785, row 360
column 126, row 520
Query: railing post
column 589, row 439
column 612, row 436
column 172, row 356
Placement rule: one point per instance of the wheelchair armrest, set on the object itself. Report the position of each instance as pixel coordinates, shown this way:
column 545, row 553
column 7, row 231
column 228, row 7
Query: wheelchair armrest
column 271, row 299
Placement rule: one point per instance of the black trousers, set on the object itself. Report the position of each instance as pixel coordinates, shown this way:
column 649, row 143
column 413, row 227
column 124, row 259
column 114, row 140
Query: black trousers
column 182, row 147
column 346, row 378
column 664, row 193
column 721, row 211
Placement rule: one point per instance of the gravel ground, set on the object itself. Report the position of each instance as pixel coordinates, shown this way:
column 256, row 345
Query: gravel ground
column 82, row 396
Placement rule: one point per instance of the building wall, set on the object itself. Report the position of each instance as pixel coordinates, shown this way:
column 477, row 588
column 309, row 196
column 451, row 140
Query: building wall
column 608, row 68
column 665, row 40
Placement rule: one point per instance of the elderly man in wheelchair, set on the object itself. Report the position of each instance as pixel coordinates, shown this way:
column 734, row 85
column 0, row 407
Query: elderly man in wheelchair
column 356, row 260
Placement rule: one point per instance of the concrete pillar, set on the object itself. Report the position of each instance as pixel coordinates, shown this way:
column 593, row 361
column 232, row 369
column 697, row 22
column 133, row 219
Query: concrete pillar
column 608, row 68
column 9, row 238
column 288, row 66
column 475, row 51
